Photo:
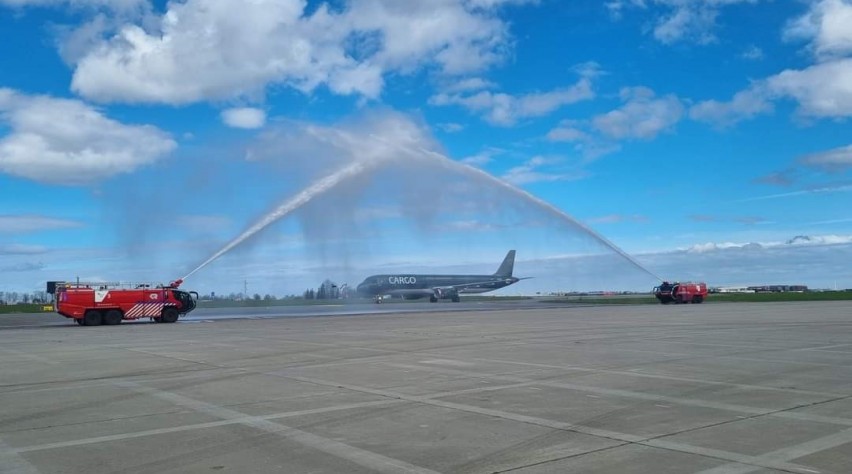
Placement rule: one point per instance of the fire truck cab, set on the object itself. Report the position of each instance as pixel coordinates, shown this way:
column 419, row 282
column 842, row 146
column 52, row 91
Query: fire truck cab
column 93, row 304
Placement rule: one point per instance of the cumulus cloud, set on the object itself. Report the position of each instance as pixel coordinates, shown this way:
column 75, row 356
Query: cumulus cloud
column 244, row 117
column 822, row 90
column 745, row 105
column 112, row 4
column 567, row 131
column 833, row 160
column 677, row 20
column 68, row 142
column 642, row 116
column 797, row 241
column 827, row 26
column 199, row 49
column 21, row 224
column 505, row 110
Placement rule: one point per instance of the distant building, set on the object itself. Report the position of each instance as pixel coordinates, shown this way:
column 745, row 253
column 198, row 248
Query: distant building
column 779, row 288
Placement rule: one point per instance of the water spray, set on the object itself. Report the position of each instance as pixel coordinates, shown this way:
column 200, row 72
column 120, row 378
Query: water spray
column 361, row 166
column 550, row 208
column 317, row 188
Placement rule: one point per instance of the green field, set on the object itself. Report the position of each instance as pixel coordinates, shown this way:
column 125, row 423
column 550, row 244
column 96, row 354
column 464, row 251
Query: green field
column 24, row 308
column 714, row 298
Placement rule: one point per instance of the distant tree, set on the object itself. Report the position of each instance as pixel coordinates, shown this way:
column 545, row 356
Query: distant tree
column 26, row 298
column 268, row 297
column 256, row 297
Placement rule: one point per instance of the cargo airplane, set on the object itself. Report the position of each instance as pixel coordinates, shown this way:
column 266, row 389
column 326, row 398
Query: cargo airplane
column 438, row 287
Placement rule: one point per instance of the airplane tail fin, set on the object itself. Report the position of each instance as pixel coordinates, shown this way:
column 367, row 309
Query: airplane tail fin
column 507, row 266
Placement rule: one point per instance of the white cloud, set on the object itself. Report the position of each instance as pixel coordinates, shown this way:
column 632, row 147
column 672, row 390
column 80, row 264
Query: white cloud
column 244, row 117
column 567, row 131
column 836, row 159
column 745, row 105
column 538, row 169
column 22, row 249
column 678, row 20
column 642, row 116
column 822, row 90
column 826, row 26
column 21, row 224
column 506, row 110
column 618, row 218
column 797, row 241
column 450, row 127
column 470, row 84
column 112, row 4
column 200, row 50
column 68, row 142
column 752, row 53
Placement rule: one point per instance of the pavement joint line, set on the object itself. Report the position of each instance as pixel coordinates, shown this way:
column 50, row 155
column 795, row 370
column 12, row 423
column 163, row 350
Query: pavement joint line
column 362, row 457
column 570, row 427
column 196, row 373
column 194, row 426
column 25, row 355
column 791, row 452
column 11, row 461
column 664, row 377
column 650, row 397
column 554, row 454
column 820, row 348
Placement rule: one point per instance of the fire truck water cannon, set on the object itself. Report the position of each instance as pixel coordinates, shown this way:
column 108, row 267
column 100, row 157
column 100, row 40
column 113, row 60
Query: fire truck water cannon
column 681, row 292
column 94, row 304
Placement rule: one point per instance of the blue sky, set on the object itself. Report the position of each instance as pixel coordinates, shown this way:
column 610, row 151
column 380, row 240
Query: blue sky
column 708, row 138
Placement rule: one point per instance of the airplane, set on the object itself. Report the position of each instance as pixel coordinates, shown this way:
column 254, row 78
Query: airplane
column 438, row 287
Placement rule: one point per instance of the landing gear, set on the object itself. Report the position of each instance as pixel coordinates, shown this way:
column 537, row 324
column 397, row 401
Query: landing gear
column 433, row 299
column 455, row 298
column 379, row 299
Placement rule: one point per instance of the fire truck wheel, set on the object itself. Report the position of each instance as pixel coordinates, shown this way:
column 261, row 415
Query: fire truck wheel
column 697, row 299
column 78, row 321
column 112, row 317
column 170, row 315
column 92, row 318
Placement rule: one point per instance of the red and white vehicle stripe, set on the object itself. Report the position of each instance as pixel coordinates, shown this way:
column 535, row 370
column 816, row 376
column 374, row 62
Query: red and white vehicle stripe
column 146, row 310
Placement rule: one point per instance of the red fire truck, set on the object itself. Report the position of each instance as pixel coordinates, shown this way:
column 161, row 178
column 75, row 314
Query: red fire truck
column 93, row 304
column 683, row 292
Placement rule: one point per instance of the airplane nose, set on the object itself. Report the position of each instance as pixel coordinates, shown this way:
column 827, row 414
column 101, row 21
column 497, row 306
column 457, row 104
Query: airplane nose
column 364, row 288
